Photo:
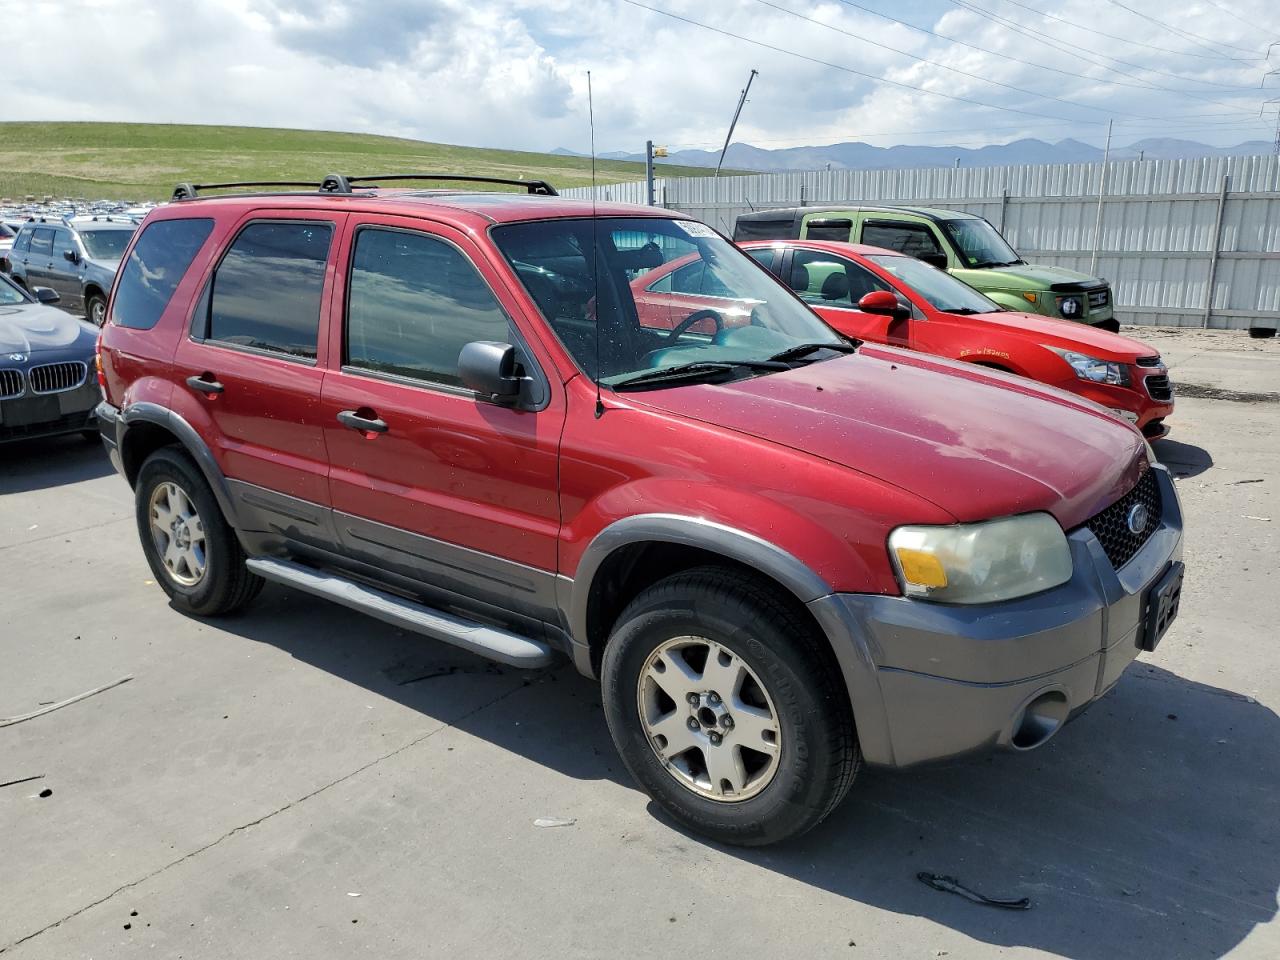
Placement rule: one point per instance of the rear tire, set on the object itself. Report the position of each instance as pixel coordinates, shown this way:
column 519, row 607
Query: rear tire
column 1262, row 333
column 189, row 545
column 791, row 754
column 1111, row 326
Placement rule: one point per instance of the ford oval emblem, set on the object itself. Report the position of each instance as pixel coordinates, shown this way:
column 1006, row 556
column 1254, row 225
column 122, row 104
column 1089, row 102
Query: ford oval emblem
column 1137, row 518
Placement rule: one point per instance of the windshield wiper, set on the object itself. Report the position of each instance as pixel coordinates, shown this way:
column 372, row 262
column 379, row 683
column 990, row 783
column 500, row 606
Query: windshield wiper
column 705, row 370
column 962, row 311
column 804, row 349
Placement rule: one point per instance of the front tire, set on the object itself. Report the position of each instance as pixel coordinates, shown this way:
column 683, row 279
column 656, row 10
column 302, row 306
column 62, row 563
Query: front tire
column 95, row 309
column 189, row 545
column 727, row 708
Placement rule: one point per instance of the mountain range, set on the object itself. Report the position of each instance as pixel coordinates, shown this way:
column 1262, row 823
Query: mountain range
column 864, row 156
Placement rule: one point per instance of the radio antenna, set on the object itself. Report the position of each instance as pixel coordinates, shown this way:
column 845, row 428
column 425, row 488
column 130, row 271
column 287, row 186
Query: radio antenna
column 595, row 244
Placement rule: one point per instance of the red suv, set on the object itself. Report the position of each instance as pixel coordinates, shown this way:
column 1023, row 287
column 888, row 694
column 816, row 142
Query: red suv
column 782, row 555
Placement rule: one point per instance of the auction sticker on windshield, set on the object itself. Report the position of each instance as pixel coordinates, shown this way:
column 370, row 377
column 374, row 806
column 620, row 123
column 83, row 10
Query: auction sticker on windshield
column 695, row 229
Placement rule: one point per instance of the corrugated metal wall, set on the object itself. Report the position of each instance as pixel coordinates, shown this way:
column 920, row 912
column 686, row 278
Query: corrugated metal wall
column 1160, row 222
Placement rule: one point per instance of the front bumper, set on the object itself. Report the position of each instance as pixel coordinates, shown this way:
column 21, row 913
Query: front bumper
column 48, row 415
column 930, row 681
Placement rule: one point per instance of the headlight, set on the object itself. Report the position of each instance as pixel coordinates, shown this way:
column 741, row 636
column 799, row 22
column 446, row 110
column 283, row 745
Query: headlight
column 1091, row 368
column 1070, row 307
column 981, row 562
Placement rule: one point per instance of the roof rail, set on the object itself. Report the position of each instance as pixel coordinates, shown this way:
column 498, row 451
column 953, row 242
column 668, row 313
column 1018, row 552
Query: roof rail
column 335, row 182
column 340, row 183
column 189, row 191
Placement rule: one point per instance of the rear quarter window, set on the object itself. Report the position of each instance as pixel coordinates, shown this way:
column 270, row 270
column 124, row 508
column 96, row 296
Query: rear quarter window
column 155, row 266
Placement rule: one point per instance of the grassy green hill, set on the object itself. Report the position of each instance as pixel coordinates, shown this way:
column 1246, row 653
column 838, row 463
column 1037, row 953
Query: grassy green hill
column 143, row 161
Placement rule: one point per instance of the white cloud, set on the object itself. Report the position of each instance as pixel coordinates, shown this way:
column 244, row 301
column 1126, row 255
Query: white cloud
column 511, row 73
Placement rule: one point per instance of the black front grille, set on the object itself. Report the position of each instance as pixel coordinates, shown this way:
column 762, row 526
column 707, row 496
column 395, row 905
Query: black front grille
column 1099, row 298
column 1160, row 388
column 10, row 384
column 1111, row 526
column 57, row 377
column 1148, row 361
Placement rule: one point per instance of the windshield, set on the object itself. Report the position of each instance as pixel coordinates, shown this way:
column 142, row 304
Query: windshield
column 105, row 244
column 10, row 296
column 663, row 293
column 980, row 243
column 943, row 291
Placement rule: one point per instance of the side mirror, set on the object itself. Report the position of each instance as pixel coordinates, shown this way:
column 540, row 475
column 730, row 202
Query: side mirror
column 45, row 295
column 938, row 260
column 71, row 256
column 489, row 368
column 885, row 303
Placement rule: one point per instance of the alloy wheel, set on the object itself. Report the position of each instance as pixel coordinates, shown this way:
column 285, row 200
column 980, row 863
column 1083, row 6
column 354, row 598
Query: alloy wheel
column 178, row 533
column 709, row 719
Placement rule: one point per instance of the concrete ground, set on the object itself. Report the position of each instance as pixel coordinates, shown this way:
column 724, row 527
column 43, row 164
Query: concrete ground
column 300, row 781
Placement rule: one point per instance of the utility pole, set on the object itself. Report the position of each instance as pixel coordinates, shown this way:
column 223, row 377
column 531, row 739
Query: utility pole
column 650, row 151
column 728, row 136
column 1102, row 186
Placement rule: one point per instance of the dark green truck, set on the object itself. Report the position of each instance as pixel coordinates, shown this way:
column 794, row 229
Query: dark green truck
column 966, row 246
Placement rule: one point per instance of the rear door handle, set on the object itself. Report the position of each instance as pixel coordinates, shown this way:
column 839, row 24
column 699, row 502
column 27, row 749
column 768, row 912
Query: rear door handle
column 356, row 420
column 205, row 383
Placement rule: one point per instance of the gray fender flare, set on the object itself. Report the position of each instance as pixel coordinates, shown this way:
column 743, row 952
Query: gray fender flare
column 848, row 642
column 191, row 441
column 727, row 541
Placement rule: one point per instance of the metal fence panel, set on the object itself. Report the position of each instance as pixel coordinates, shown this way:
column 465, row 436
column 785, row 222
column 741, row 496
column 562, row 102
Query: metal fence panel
column 1159, row 243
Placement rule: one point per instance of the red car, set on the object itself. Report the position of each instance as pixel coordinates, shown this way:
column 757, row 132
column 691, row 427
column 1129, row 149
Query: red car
column 782, row 555
column 885, row 297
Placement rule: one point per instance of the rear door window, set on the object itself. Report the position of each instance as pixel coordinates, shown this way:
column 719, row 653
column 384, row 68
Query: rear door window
column 266, row 292
column 913, row 239
column 831, row 281
column 415, row 301
column 156, row 264
column 23, row 243
column 42, row 242
column 838, row 229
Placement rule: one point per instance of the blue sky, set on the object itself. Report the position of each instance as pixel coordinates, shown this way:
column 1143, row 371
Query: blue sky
column 512, row 73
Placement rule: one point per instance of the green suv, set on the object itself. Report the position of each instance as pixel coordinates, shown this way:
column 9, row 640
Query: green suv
column 967, row 247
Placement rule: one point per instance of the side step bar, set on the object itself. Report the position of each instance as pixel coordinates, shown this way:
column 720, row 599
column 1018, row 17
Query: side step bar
column 491, row 642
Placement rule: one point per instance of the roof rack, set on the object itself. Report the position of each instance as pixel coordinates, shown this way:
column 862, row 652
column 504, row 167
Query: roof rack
column 340, row 183
column 337, row 183
column 189, row 191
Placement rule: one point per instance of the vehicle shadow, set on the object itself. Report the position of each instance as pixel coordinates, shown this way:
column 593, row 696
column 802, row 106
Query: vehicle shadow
column 50, row 462
column 1149, row 828
column 1183, row 459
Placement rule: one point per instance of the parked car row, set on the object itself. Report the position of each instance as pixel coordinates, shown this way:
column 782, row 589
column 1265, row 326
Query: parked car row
column 534, row 427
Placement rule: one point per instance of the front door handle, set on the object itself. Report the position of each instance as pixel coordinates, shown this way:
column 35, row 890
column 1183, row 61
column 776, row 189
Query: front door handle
column 363, row 421
column 205, row 383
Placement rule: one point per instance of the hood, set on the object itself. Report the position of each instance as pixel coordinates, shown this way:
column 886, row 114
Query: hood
column 108, row 267
column 33, row 328
column 1068, row 335
column 977, row 443
column 1023, row 276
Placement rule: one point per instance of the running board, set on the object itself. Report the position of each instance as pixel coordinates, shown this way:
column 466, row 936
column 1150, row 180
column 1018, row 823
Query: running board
column 491, row 642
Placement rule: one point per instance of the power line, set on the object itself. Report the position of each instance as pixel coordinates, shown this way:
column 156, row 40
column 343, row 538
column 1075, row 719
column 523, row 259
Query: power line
column 841, row 67
column 1185, row 34
column 935, row 63
column 1045, row 38
column 1143, row 84
column 1212, row 55
column 1252, row 26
